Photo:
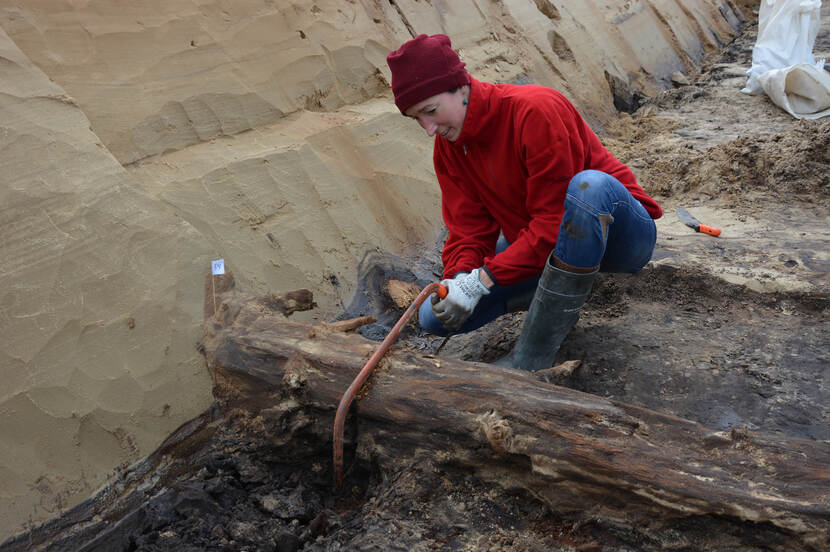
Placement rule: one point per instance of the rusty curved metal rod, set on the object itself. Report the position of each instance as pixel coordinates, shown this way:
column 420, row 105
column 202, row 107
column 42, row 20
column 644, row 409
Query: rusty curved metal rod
column 349, row 395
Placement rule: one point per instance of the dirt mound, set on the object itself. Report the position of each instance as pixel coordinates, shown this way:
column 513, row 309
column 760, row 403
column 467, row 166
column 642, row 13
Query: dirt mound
column 784, row 167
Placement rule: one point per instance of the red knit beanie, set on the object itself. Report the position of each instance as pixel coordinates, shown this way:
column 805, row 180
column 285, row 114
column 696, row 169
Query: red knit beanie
column 423, row 67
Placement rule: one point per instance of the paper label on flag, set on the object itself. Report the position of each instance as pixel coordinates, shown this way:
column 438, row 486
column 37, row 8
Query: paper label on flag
column 218, row 266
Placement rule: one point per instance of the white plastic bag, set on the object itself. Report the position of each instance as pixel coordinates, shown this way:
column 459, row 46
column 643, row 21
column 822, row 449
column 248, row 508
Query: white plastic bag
column 801, row 90
column 787, row 30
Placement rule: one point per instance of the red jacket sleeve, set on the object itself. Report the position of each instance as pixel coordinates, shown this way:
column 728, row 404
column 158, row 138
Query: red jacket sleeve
column 473, row 232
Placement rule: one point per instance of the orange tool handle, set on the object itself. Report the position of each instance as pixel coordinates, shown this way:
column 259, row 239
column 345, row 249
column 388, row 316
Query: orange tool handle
column 363, row 375
column 711, row 230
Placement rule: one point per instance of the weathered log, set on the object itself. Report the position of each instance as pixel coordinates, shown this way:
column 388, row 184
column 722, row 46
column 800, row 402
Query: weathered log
column 577, row 452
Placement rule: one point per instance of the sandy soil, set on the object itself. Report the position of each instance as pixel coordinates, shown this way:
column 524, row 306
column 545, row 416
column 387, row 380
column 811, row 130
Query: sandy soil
column 731, row 332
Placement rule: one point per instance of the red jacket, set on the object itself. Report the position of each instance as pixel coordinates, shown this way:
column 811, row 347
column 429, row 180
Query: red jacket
column 509, row 171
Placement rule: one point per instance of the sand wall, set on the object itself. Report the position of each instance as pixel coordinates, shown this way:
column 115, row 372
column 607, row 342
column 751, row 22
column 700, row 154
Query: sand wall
column 99, row 303
column 140, row 140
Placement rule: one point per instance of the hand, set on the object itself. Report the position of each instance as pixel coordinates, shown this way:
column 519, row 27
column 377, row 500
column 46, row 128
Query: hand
column 463, row 294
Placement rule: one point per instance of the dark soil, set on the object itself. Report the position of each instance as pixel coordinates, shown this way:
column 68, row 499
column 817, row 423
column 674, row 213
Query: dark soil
column 689, row 344
column 227, row 482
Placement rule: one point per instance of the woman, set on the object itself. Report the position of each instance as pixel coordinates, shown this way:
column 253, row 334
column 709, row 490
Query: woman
column 518, row 161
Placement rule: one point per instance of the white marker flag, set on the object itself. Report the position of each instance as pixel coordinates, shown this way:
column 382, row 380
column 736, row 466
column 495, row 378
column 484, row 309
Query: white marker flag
column 218, row 266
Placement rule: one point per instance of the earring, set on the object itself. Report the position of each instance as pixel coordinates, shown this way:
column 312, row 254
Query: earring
column 464, row 101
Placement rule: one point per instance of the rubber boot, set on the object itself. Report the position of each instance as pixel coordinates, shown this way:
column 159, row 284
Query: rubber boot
column 553, row 312
column 519, row 302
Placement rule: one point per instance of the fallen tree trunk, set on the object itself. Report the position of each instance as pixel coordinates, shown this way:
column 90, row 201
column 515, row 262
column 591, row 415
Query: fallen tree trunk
column 577, row 452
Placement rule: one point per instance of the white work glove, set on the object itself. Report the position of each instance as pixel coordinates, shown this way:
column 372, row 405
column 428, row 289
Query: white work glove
column 463, row 294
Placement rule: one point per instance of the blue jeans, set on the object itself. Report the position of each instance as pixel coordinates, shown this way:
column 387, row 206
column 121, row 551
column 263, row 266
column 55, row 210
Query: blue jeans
column 603, row 226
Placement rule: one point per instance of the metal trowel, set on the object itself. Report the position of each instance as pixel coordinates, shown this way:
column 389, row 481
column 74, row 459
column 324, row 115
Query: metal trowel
column 690, row 221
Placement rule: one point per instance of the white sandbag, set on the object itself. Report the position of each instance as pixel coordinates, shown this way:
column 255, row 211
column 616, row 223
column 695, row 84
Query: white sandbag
column 787, row 31
column 801, row 90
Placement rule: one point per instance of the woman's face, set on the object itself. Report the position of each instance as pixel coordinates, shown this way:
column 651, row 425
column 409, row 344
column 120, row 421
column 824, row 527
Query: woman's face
column 442, row 114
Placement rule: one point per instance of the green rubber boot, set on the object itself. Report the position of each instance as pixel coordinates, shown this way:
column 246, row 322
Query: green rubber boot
column 553, row 312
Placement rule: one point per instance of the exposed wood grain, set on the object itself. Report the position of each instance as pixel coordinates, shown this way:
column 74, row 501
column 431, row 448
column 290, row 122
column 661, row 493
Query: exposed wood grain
column 402, row 293
column 573, row 450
